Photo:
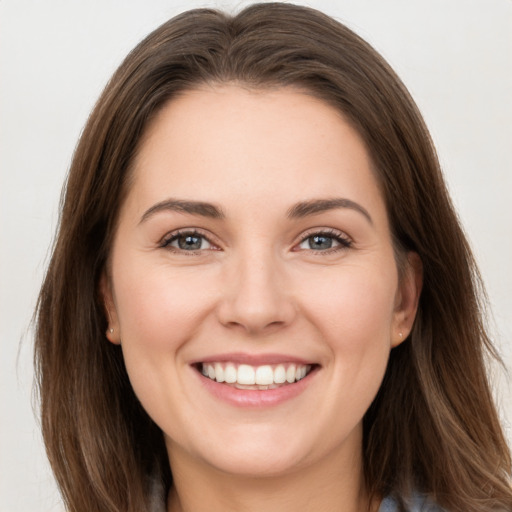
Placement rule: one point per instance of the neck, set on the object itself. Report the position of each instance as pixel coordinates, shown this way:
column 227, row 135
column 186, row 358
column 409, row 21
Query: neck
column 330, row 485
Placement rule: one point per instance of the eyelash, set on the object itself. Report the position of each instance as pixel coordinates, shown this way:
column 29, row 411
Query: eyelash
column 343, row 240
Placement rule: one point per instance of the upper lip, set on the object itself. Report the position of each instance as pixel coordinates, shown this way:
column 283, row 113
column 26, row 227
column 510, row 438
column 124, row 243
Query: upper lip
column 252, row 359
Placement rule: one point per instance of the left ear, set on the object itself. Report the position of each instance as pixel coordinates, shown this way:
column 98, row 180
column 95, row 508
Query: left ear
column 407, row 299
column 113, row 333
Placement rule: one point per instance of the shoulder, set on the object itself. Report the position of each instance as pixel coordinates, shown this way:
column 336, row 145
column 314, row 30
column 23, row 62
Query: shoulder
column 418, row 503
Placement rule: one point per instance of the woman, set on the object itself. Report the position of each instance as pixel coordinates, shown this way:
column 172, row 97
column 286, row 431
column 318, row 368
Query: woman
column 260, row 295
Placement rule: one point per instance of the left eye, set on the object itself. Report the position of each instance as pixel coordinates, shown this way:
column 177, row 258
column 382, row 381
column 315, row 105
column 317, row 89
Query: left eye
column 188, row 242
column 323, row 242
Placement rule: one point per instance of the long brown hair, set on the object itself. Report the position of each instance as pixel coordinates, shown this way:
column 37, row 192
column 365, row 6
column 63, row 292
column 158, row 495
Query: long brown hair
column 432, row 427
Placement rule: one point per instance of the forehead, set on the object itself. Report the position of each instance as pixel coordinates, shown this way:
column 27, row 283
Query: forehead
column 213, row 142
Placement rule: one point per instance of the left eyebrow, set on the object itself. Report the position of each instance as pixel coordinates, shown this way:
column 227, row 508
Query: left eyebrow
column 316, row 206
column 191, row 207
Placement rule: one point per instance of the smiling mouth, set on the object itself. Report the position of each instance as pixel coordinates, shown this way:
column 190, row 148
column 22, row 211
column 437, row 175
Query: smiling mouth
column 244, row 376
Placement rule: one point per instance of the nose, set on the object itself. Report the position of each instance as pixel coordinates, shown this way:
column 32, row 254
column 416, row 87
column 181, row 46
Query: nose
column 255, row 297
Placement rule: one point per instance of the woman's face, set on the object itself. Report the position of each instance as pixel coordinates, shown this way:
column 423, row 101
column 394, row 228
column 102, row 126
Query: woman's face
column 254, row 246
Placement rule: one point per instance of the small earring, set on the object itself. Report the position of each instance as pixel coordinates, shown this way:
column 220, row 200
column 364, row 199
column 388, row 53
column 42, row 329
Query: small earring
column 401, row 335
column 111, row 330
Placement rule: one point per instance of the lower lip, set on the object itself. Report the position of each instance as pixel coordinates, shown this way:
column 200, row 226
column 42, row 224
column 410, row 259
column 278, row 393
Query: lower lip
column 254, row 397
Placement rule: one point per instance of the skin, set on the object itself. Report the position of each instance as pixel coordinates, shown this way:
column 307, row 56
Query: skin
column 257, row 285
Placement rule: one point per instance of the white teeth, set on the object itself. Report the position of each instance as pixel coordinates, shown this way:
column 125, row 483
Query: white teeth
column 264, row 375
column 230, row 374
column 280, row 375
column 259, row 377
column 300, row 373
column 219, row 373
column 290, row 374
column 246, row 375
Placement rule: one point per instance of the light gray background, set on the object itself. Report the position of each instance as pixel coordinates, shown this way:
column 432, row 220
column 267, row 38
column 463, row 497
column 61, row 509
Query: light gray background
column 55, row 57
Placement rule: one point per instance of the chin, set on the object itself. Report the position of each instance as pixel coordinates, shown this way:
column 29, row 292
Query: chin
column 250, row 451
column 257, row 464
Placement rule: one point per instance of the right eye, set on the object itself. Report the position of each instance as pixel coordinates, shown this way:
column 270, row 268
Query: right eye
column 187, row 241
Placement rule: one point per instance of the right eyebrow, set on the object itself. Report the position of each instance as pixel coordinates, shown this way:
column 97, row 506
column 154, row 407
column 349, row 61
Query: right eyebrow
column 315, row 206
column 183, row 206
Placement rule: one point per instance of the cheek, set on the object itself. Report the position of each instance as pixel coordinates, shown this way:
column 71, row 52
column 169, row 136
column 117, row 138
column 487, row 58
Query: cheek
column 354, row 305
column 354, row 313
column 356, row 323
column 154, row 302
column 159, row 311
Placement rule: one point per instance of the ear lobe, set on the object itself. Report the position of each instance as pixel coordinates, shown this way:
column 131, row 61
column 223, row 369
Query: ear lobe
column 408, row 296
column 113, row 333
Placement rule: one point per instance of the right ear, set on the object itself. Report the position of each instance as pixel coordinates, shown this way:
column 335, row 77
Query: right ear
column 113, row 333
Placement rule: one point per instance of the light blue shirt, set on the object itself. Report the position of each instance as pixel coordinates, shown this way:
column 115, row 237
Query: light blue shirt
column 419, row 504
